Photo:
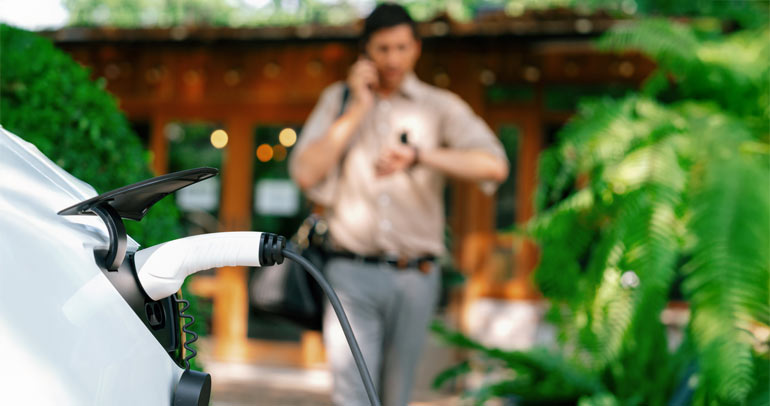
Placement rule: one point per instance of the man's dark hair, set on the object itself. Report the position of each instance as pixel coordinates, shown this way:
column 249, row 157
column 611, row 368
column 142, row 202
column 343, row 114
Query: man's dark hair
column 386, row 15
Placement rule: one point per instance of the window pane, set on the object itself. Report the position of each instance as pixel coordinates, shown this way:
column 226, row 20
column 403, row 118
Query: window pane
column 506, row 193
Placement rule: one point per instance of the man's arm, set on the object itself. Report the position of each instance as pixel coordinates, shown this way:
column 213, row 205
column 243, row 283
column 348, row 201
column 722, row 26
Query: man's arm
column 316, row 160
column 472, row 165
column 469, row 165
column 472, row 151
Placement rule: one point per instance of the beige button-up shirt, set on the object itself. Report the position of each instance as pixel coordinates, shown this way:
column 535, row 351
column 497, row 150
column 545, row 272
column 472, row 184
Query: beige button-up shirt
column 401, row 214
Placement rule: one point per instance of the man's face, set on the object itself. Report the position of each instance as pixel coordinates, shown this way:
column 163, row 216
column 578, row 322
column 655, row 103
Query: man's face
column 394, row 52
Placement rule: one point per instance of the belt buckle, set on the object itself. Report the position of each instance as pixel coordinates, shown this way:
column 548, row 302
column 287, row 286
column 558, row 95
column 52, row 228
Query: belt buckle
column 402, row 263
column 424, row 266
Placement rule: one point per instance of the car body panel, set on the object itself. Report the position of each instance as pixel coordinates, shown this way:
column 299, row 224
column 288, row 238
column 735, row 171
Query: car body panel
column 67, row 337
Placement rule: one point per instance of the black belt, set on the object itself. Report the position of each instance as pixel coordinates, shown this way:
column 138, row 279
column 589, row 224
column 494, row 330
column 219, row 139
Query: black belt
column 423, row 263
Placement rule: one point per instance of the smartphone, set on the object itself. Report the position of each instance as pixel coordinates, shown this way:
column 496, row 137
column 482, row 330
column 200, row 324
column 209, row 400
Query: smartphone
column 376, row 84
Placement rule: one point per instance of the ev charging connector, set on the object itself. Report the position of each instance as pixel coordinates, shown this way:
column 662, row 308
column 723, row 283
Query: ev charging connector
column 149, row 278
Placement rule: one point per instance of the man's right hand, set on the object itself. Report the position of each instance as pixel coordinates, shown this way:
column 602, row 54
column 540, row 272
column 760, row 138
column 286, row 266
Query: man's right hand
column 316, row 159
column 362, row 79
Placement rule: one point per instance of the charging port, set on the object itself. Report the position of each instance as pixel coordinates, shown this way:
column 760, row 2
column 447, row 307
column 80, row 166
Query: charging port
column 155, row 315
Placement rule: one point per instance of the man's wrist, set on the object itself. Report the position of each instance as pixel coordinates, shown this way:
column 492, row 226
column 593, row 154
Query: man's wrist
column 416, row 158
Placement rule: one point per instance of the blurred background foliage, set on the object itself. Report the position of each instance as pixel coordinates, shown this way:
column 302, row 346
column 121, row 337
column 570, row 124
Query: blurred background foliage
column 250, row 13
column 656, row 194
column 48, row 99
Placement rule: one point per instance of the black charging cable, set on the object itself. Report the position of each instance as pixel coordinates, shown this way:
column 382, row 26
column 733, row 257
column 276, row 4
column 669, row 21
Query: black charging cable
column 272, row 251
column 337, row 306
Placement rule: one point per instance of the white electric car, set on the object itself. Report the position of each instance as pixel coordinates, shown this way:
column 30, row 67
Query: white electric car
column 88, row 318
column 70, row 331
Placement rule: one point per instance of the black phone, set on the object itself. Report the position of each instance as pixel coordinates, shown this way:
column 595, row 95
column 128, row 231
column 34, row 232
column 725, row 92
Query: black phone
column 365, row 55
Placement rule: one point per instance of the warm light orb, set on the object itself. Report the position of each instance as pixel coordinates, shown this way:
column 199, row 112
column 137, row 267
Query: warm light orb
column 279, row 152
column 287, row 137
column 264, row 152
column 219, row 139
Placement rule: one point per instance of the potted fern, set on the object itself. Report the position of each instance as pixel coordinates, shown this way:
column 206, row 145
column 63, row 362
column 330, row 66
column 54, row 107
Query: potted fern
column 667, row 185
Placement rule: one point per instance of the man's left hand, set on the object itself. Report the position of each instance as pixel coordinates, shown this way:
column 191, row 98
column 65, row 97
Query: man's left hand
column 395, row 158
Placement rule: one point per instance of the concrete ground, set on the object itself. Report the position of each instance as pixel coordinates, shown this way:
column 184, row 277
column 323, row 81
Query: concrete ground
column 241, row 385
column 497, row 323
column 235, row 384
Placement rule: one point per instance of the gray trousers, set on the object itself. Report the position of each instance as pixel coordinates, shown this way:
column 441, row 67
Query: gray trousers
column 389, row 310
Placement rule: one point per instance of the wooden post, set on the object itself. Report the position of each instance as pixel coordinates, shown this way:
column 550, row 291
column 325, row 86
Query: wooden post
column 522, row 287
column 159, row 144
column 313, row 353
column 231, row 302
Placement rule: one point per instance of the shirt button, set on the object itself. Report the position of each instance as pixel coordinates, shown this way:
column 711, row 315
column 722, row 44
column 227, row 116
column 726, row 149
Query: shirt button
column 383, row 128
column 385, row 225
column 383, row 200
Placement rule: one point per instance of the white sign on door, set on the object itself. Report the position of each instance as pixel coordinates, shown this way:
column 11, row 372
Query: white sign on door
column 276, row 197
column 201, row 196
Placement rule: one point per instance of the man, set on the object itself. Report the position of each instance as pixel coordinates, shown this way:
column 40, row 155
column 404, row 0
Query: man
column 375, row 152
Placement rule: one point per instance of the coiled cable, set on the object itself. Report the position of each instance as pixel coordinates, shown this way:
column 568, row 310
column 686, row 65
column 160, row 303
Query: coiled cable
column 189, row 351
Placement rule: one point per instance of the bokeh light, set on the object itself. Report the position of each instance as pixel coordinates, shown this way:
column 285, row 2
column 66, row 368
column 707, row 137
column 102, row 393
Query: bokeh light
column 279, row 152
column 287, row 137
column 219, row 139
column 264, row 152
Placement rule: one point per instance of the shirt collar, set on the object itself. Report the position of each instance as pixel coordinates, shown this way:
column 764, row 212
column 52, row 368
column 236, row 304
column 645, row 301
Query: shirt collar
column 410, row 86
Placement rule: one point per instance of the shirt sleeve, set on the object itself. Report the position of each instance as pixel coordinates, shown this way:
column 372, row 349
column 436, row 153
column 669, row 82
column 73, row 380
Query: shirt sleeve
column 463, row 129
column 321, row 118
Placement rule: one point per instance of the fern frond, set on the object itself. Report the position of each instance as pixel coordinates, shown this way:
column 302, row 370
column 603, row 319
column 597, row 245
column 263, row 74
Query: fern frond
column 731, row 70
column 543, row 225
column 586, row 138
column 728, row 279
column 565, row 235
column 670, row 44
column 451, row 373
column 536, row 374
column 760, row 396
column 599, row 399
column 656, row 163
column 611, row 313
column 642, row 241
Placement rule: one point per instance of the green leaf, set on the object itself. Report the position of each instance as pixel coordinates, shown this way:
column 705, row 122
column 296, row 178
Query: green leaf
column 727, row 278
column 451, row 373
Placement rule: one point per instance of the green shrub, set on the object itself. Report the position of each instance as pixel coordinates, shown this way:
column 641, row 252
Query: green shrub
column 47, row 98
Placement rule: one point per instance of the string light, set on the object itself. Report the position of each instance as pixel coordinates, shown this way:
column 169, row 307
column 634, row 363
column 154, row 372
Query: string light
column 219, row 139
column 287, row 137
column 279, row 152
column 264, row 152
